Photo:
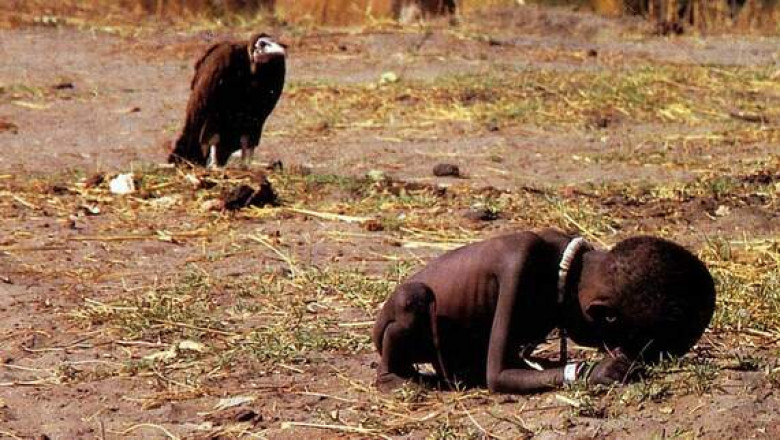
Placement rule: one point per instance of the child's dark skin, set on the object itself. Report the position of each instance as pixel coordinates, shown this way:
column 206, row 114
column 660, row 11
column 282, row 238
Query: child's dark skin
column 492, row 300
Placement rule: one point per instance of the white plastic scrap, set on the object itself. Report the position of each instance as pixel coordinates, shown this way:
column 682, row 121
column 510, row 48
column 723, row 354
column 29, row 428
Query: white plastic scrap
column 189, row 345
column 389, row 78
column 122, row 184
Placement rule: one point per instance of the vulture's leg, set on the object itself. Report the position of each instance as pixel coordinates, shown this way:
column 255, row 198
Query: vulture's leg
column 211, row 162
column 247, row 151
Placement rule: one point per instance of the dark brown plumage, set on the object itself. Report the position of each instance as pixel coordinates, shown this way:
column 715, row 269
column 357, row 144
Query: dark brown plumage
column 235, row 87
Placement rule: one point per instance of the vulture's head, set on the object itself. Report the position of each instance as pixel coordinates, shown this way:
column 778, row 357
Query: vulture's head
column 264, row 49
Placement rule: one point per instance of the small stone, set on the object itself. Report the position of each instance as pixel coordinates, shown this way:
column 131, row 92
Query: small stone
column 322, row 126
column 247, row 415
column 244, row 196
column 65, row 85
column 73, row 222
column 481, row 215
column 275, row 165
column 9, row 127
column 58, row 188
column 212, row 205
column 446, row 169
column 373, row 225
column 603, row 118
column 94, row 180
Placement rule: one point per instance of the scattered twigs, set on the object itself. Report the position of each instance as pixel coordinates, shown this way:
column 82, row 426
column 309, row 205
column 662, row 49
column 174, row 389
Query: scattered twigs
column 75, row 344
column 584, row 230
column 9, row 434
column 339, row 428
column 330, row 216
column 156, row 236
column 32, row 248
column 327, row 396
column 290, row 368
column 757, row 118
column 518, row 422
column 147, row 425
column 23, row 368
column 484, row 431
column 195, row 327
column 286, row 258
column 18, row 199
column 359, row 324
column 428, row 244
column 26, row 383
column 172, row 381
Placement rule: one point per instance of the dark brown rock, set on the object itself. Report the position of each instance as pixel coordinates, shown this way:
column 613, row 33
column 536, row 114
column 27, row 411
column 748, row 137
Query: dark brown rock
column 480, row 215
column 446, row 170
column 245, row 195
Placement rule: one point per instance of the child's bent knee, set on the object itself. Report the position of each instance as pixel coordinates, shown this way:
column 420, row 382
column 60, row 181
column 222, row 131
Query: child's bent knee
column 415, row 298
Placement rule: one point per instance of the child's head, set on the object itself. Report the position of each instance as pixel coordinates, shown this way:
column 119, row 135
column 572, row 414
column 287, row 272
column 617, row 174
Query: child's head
column 647, row 296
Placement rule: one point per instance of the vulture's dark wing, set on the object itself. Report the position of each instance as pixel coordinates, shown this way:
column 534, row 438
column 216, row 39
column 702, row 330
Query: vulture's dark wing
column 203, row 59
column 215, row 72
column 219, row 70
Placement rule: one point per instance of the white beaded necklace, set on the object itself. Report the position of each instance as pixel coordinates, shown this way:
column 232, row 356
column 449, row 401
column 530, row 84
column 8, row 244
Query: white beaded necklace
column 571, row 251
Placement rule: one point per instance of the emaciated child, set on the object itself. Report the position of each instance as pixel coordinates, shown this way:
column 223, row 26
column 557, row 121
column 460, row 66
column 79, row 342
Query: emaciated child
column 475, row 311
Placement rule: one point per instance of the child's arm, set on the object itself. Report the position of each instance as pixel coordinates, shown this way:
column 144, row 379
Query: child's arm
column 502, row 379
column 609, row 371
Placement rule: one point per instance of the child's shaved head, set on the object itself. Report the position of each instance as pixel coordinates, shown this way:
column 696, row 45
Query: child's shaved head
column 665, row 296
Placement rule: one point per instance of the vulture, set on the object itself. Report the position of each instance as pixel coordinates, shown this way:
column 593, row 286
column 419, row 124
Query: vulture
column 235, row 87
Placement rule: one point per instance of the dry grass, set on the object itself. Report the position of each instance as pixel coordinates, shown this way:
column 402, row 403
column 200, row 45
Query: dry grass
column 671, row 94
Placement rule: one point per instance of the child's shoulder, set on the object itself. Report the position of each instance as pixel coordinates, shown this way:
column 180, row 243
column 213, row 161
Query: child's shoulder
column 524, row 240
column 518, row 246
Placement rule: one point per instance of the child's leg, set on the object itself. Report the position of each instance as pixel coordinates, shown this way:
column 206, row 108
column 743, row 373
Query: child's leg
column 403, row 334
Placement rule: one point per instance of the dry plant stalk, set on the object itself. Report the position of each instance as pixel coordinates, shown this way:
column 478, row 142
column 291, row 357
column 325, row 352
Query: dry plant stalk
column 709, row 15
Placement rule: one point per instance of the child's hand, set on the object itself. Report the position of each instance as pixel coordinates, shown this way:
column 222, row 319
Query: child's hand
column 611, row 370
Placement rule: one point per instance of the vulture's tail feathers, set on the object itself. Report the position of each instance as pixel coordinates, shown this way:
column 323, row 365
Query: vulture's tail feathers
column 186, row 149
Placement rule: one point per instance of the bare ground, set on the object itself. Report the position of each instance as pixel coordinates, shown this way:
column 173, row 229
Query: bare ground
column 135, row 316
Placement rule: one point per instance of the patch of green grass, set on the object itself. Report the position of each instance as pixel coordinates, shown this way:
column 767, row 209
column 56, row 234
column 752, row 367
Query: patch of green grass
column 356, row 288
column 298, row 340
column 179, row 310
column 670, row 378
